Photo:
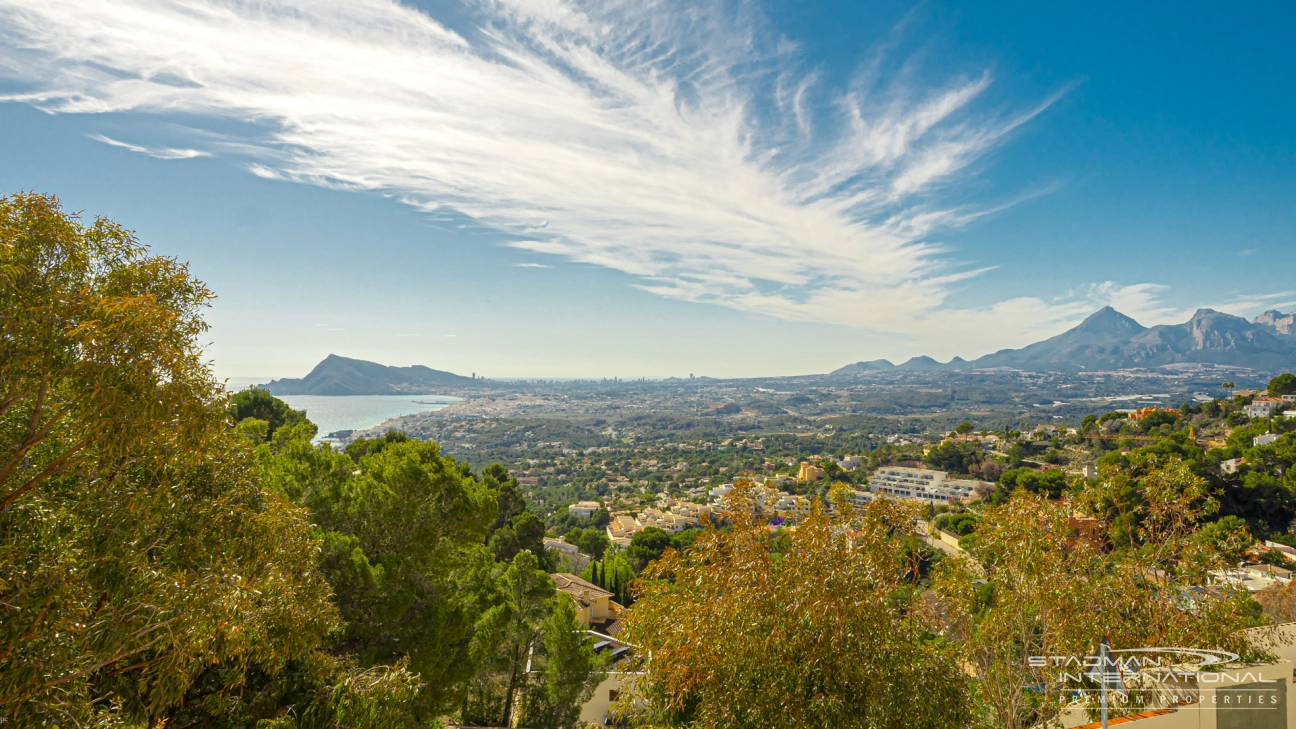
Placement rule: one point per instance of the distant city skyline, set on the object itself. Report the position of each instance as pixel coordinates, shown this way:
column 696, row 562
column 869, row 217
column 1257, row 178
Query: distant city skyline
column 561, row 189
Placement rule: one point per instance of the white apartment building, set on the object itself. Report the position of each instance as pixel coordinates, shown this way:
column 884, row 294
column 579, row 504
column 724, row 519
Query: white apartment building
column 584, row 509
column 921, row 483
column 1263, row 407
column 670, row 515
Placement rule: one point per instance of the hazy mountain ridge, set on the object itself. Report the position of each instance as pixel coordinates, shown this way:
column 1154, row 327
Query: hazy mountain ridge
column 1109, row 340
column 344, row 376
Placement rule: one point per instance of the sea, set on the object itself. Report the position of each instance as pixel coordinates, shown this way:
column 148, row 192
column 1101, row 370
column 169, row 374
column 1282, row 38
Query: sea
column 358, row 412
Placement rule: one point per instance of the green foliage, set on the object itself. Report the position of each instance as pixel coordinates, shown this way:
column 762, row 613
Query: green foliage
column 591, row 541
column 1284, row 384
column 1051, row 482
column 525, row 533
column 963, row 428
column 955, row 457
column 508, row 496
column 646, row 546
column 403, row 548
column 531, row 624
column 1228, row 536
column 959, row 524
column 569, row 672
column 824, row 634
column 362, row 447
column 146, row 575
column 260, row 404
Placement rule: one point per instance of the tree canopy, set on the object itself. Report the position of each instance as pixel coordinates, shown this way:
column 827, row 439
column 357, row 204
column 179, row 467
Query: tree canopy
column 173, row 556
column 1284, row 384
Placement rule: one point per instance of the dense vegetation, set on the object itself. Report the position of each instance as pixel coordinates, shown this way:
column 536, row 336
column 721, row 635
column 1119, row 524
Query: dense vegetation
column 171, row 558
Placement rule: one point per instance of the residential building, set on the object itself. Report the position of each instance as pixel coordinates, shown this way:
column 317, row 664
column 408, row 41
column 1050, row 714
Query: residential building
column 1253, row 578
column 1084, row 528
column 561, row 545
column 1144, row 412
column 809, row 473
column 923, row 483
column 860, row 499
column 621, row 529
column 1265, row 439
column 1231, row 465
column 570, row 558
column 584, row 509
column 1288, row 552
column 1263, row 407
column 595, row 608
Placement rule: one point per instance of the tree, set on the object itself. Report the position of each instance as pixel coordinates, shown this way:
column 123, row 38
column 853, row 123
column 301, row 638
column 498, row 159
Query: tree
column 964, row 428
column 507, row 495
column 955, row 457
column 1284, row 384
column 569, row 671
column 141, row 557
column 261, row 405
column 827, row 633
column 593, row 542
column 525, row 532
column 1050, row 482
column 404, row 552
column 647, row 545
column 1048, row 593
column 1228, row 537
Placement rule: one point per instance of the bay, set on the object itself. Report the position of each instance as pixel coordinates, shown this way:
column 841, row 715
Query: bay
column 358, row 412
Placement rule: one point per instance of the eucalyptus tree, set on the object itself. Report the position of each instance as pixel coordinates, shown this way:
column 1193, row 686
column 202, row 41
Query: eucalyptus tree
column 140, row 557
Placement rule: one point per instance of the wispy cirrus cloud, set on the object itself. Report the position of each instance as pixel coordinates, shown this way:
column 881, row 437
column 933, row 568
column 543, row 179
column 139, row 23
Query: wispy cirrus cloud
column 685, row 145
column 158, row 152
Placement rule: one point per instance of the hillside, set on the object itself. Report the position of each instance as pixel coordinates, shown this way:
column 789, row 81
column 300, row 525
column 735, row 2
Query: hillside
column 343, row 376
column 1109, row 340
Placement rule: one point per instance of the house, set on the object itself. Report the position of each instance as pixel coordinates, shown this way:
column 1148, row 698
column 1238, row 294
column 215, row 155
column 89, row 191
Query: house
column 1265, row 439
column 1288, row 552
column 595, row 609
column 569, row 556
column 584, row 509
column 1144, row 412
column 1231, row 465
column 1263, row 407
column 621, row 529
column 809, row 473
column 1084, row 528
column 561, row 545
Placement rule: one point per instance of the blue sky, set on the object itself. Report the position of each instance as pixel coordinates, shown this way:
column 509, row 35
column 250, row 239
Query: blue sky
column 553, row 188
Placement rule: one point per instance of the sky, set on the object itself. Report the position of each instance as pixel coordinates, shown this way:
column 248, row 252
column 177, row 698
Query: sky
column 550, row 188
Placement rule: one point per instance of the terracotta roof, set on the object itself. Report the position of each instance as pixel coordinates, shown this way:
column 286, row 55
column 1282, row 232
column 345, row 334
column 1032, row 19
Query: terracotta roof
column 584, row 592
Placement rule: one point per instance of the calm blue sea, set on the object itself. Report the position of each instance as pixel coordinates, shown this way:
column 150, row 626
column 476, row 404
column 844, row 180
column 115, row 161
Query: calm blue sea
column 357, row 412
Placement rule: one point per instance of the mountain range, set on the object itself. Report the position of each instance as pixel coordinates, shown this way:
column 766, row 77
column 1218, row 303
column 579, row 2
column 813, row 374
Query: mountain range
column 1109, row 340
column 342, row 376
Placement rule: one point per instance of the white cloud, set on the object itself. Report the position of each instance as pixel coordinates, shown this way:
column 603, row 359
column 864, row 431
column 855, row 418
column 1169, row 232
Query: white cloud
column 160, row 153
column 690, row 149
column 533, row 265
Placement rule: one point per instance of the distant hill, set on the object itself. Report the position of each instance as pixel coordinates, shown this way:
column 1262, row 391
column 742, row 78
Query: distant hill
column 342, row 376
column 1109, row 340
